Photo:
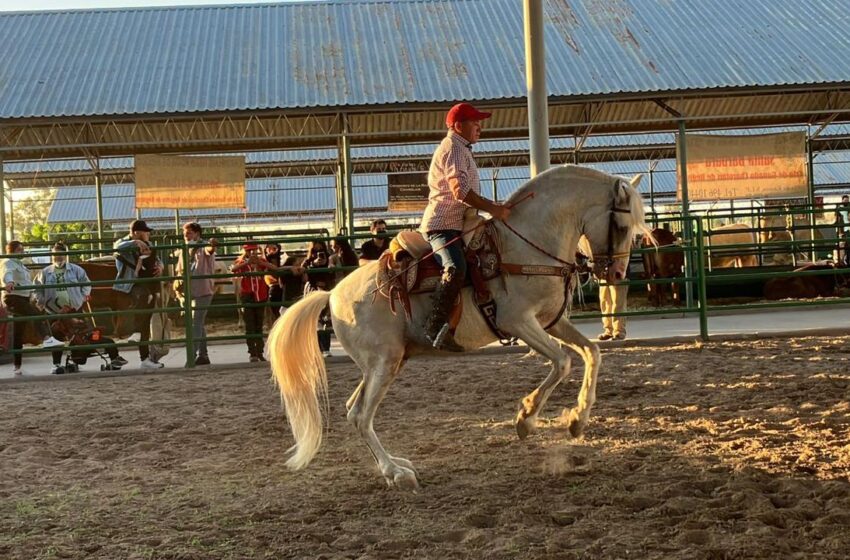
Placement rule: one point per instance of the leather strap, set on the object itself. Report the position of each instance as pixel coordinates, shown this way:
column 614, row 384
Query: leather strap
column 537, row 269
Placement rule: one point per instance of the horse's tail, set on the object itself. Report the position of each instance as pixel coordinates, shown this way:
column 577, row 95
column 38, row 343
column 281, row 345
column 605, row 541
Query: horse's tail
column 298, row 369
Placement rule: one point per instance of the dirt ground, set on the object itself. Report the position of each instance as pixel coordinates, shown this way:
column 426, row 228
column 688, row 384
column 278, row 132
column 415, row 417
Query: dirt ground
column 715, row 451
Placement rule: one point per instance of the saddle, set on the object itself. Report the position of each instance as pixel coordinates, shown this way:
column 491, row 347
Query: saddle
column 405, row 269
column 408, row 268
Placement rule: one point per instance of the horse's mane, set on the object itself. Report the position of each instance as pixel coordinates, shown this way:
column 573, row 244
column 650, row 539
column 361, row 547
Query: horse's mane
column 568, row 171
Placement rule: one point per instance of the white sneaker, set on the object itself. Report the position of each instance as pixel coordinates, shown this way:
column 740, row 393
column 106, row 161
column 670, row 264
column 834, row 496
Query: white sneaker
column 135, row 337
column 18, row 372
column 327, row 354
column 51, row 342
column 57, row 370
column 147, row 363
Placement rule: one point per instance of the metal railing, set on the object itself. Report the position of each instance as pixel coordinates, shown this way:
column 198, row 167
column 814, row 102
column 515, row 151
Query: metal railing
column 698, row 252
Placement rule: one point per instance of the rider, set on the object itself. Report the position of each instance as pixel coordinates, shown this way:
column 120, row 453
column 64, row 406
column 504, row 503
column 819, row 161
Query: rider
column 454, row 188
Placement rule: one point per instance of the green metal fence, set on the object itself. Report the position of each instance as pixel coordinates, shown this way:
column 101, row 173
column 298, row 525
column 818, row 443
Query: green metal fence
column 697, row 251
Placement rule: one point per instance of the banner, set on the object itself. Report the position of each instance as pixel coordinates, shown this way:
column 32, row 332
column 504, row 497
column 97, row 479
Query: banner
column 748, row 167
column 408, row 192
column 181, row 182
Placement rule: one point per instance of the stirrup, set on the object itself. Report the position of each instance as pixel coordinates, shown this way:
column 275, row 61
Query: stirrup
column 445, row 341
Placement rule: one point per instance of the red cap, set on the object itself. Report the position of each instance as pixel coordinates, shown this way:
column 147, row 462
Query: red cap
column 250, row 246
column 464, row 112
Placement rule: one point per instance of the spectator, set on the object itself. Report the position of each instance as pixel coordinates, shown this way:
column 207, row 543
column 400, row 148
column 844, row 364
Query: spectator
column 372, row 249
column 202, row 259
column 342, row 255
column 54, row 298
column 17, row 301
column 317, row 258
column 273, row 281
column 613, row 299
column 135, row 258
column 842, row 223
column 253, row 293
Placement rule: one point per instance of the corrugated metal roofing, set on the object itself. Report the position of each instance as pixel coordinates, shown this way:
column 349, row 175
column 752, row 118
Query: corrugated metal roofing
column 370, row 52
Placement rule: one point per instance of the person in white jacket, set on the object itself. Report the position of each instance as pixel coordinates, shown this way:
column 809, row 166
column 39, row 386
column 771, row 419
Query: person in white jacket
column 17, row 300
column 53, row 297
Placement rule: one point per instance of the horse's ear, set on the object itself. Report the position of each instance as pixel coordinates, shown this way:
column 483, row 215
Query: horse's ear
column 635, row 181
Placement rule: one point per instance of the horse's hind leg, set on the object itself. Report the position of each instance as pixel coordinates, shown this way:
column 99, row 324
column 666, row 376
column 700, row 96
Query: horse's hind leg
column 378, row 375
column 533, row 334
column 578, row 416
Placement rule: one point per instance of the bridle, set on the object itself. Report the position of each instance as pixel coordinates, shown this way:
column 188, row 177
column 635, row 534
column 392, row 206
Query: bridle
column 600, row 267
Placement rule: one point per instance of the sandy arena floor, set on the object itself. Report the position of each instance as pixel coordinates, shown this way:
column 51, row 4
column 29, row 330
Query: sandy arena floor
column 716, row 451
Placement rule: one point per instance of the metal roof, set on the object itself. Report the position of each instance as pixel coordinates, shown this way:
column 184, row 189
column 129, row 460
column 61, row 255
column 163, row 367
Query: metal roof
column 376, row 52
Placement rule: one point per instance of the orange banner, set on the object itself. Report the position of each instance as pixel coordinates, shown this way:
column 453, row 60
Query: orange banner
column 182, row 182
column 745, row 167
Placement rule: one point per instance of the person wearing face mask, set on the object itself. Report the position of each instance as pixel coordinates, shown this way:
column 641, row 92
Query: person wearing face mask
column 202, row 263
column 18, row 301
column 53, row 297
column 372, row 249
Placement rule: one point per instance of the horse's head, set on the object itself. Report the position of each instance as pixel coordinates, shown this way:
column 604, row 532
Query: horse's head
column 609, row 229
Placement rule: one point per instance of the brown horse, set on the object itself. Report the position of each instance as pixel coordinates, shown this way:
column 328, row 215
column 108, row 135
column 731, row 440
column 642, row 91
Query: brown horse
column 104, row 298
column 662, row 264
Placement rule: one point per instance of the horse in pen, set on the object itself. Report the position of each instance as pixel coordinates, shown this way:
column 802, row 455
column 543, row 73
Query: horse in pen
column 536, row 260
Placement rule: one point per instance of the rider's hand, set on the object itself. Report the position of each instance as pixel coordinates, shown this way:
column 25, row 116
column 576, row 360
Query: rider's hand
column 87, row 298
column 10, row 286
column 157, row 270
column 500, row 212
column 214, row 243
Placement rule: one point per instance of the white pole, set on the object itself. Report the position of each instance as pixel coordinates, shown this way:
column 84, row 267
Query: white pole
column 535, row 80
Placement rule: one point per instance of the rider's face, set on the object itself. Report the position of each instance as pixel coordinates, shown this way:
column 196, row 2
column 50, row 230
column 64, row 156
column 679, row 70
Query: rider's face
column 191, row 235
column 470, row 130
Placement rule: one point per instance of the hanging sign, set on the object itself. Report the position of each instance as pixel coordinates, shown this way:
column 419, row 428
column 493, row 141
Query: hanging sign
column 407, row 192
column 745, row 167
column 182, row 182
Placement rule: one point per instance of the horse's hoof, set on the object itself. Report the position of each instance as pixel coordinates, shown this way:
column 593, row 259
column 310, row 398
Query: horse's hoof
column 402, row 462
column 524, row 426
column 402, row 478
column 574, row 423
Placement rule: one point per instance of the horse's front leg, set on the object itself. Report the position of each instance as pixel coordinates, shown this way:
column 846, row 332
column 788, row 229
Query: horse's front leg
column 533, row 334
column 578, row 416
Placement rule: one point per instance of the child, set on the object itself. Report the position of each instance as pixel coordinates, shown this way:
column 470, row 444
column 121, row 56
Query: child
column 253, row 293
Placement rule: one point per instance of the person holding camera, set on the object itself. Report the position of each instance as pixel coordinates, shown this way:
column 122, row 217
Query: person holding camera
column 317, row 258
column 254, row 295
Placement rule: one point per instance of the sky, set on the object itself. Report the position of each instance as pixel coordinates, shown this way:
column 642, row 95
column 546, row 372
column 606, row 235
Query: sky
column 36, row 5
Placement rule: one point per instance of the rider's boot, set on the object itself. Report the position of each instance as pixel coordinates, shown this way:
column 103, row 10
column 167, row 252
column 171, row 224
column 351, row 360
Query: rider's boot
column 437, row 327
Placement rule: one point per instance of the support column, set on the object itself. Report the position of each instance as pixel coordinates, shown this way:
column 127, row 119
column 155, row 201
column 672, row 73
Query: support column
column 11, row 215
column 339, row 221
column 652, row 191
column 687, row 234
column 3, row 239
column 348, row 188
column 535, row 80
column 810, row 179
column 496, row 185
column 98, row 193
column 177, row 228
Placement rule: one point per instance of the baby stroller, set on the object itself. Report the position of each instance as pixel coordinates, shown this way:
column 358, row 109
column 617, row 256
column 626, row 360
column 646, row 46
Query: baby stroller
column 76, row 332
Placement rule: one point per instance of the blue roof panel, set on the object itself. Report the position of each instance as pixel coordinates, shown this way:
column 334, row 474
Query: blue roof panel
column 367, row 52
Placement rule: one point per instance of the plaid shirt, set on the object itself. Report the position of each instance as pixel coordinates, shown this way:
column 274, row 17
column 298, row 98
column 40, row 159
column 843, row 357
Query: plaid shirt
column 452, row 159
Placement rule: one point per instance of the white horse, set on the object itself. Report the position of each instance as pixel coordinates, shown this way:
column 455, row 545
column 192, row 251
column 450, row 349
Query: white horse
column 543, row 230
